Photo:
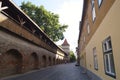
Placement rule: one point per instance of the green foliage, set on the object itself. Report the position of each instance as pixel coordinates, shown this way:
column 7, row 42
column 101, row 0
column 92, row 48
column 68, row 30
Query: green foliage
column 48, row 21
column 72, row 56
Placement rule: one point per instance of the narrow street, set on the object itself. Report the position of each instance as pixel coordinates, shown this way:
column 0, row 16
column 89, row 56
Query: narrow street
column 58, row 72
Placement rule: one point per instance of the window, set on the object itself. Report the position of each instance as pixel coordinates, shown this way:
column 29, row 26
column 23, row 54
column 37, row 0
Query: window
column 100, row 2
column 95, row 59
column 107, row 46
column 108, row 57
column 88, row 28
column 93, row 10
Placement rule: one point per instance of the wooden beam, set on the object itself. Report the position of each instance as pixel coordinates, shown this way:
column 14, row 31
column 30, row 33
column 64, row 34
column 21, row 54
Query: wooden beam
column 2, row 8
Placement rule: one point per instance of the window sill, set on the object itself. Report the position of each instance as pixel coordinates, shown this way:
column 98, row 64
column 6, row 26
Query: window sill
column 111, row 75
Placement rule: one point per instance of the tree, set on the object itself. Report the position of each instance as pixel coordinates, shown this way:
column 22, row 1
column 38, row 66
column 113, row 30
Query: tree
column 72, row 56
column 46, row 20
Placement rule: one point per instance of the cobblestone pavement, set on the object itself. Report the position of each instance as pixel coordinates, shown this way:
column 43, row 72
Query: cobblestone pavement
column 58, row 72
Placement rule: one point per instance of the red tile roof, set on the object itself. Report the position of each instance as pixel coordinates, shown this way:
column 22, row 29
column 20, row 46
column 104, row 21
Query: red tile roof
column 65, row 43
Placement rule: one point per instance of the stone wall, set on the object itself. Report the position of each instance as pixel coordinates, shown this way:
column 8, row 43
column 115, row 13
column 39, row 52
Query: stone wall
column 18, row 55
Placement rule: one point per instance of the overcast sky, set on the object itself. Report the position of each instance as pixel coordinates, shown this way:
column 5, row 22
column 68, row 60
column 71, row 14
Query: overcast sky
column 69, row 11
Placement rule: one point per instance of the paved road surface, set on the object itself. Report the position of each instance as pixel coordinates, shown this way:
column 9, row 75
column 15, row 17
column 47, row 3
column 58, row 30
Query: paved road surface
column 58, row 72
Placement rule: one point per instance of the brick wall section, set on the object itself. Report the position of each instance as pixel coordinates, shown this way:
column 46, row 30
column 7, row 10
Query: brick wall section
column 25, row 48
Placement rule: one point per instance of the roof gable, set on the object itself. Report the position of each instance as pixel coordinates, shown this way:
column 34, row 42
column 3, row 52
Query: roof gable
column 65, row 43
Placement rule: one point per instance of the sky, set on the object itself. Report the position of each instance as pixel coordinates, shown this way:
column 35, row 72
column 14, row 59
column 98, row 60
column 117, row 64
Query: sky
column 69, row 12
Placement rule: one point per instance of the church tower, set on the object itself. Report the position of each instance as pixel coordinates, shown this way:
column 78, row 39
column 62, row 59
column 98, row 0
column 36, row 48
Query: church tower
column 66, row 48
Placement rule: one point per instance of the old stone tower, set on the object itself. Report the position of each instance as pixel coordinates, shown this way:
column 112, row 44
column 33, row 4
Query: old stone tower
column 66, row 48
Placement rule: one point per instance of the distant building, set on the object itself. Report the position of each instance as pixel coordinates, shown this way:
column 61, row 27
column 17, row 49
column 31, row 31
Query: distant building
column 99, row 39
column 66, row 48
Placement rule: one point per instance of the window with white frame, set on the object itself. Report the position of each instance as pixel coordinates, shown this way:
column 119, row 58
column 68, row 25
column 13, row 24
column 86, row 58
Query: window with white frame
column 107, row 46
column 108, row 57
column 100, row 2
column 88, row 28
column 95, row 58
column 93, row 10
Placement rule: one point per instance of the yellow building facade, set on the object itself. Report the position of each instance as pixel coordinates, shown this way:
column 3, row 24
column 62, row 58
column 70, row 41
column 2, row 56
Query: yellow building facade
column 99, row 38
